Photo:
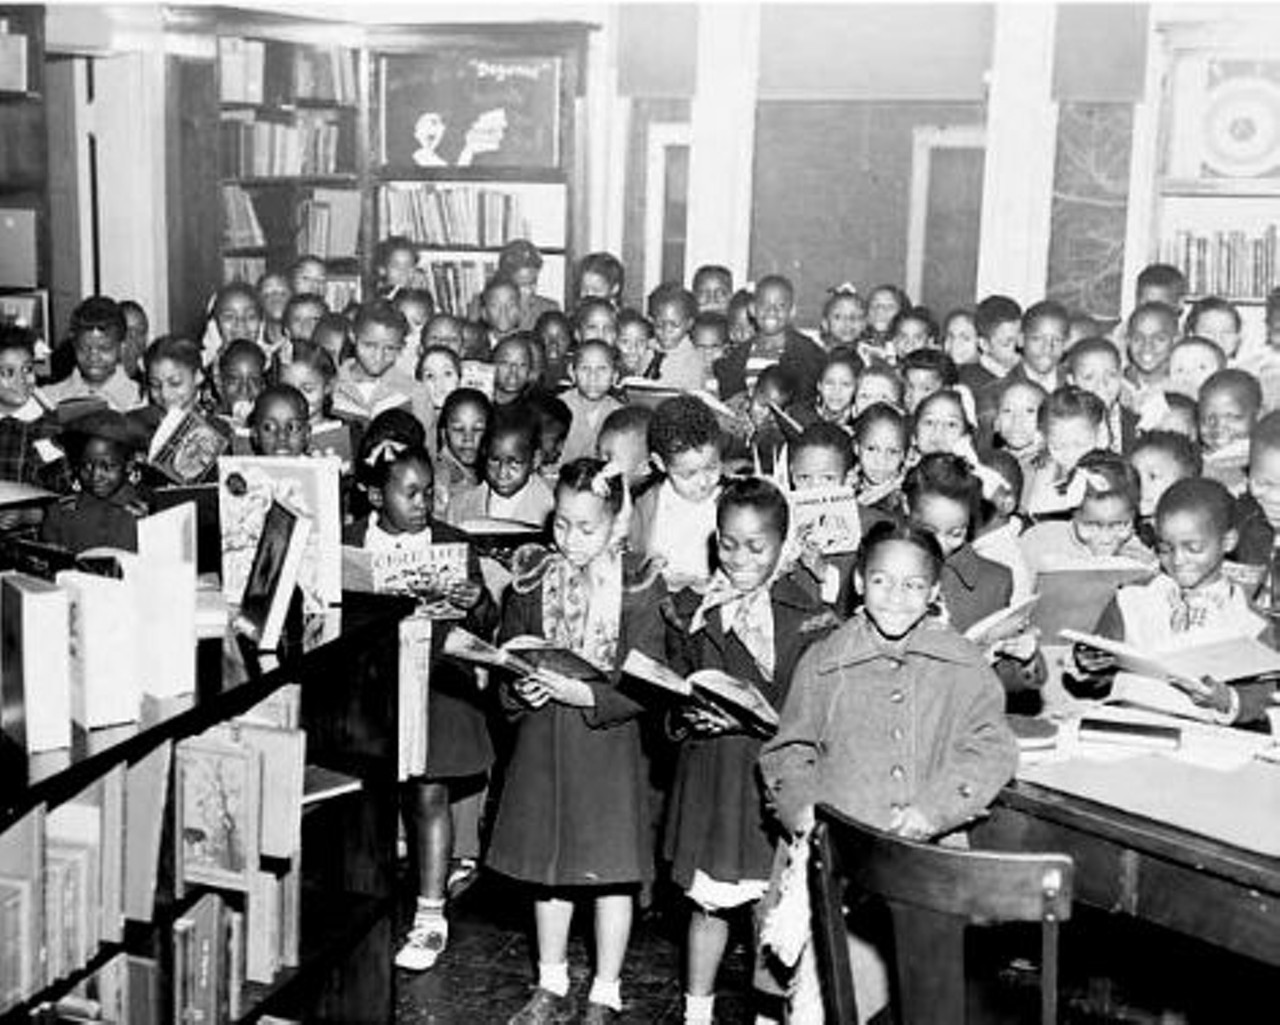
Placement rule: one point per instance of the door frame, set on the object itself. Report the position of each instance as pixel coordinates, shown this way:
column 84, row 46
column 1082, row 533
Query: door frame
column 924, row 140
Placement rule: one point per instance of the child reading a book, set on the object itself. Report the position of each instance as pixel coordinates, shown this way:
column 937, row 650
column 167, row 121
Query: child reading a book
column 105, row 503
column 396, row 478
column 370, row 382
column 893, row 719
column 1230, row 402
column 27, row 452
column 944, row 496
column 279, row 424
column 881, row 441
column 464, row 419
column 511, row 489
column 572, row 820
column 1190, row 602
column 175, row 381
column 594, row 371
column 1105, row 489
column 312, row 372
column 754, row 623
column 97, row 335
column 676, row 361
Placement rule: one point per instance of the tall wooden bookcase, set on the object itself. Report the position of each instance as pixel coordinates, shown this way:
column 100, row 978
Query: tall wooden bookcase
column 24, row 163
column 1217, row 194
column 348, row 671
column 459, row 137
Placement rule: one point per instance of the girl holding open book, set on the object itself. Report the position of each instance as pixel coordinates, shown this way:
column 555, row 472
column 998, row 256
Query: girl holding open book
column 754, row 623
column 573, row 820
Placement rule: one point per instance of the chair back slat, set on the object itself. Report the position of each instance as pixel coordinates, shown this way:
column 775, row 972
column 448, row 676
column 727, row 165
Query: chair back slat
column 933, row 894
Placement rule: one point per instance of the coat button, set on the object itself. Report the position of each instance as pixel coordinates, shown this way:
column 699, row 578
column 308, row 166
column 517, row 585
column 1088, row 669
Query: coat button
column 966, row 790
column 897, row 697
column 896, row 807
column 897, row 733
column 898, row 772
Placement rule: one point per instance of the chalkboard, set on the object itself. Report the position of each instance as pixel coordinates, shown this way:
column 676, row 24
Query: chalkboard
column 459, row 108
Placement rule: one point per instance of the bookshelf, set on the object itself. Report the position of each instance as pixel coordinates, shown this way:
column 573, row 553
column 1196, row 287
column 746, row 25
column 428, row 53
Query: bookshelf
column 24, row 156
column 1217, row 196
column 461, row 137
column 346, row 666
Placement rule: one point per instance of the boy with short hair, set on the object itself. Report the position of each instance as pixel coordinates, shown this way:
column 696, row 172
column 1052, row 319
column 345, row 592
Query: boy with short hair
column 1073, row 422
column 369, row 382
column 511, row 488
column 500, row 309
column 676, row 363
column 1150, row 334
column 521, row 262
column 594, row 371
column 97, row 335
column 601, row 276
column 1230, row 402
column 1044, row 337
column 1192, row 601
column 512, row 369
column 624, row 441
column 1094, row 365
column 925, row 371
column 397, row 265
column 997, row 319
column 1161, row 283
column 1217, row 320
column 1193, row 361
column 674, row 521
column 776, row 342
column 713, row 288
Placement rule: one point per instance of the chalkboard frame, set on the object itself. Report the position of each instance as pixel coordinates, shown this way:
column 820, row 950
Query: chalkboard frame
column 540, row 147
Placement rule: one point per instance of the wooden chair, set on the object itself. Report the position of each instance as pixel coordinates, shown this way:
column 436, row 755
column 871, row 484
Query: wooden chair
column 932, row 894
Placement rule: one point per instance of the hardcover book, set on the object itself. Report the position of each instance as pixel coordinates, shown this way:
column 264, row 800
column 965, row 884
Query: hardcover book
column 268, row 590
column 217, row 791
column 185, row 446
column 708, row 689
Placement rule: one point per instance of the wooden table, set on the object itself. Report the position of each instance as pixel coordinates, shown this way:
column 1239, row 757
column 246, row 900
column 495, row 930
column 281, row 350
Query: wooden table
column 1131, row 864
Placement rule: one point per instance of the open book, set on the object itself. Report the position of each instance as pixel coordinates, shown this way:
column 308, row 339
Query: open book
column 1003, row 623
column 529, row 656
column 707, row 688
column 1229, row 660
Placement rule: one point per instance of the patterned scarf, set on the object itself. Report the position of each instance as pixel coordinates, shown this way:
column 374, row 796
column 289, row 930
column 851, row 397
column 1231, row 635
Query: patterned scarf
column 1192, row 610
column 748, row 616
column 582, row 608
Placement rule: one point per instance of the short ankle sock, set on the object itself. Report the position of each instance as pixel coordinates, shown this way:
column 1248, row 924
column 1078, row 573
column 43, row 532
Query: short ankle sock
column 430, row 907
column 554, row 977
column 699, row 1010
column 607, row 993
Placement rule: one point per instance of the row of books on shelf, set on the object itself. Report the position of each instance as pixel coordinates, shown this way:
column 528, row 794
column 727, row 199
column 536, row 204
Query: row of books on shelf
column 454, row 215
column 1232, row 264
column 340, row 290
column 329, row 223
column 269, row 72
column 456, row 282
column 307, row 144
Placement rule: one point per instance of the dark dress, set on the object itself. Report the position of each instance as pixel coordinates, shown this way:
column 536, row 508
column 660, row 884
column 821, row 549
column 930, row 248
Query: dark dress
column 802, row 358
column 458, row 740
column 715, row 819
column 82, row 521
column 574, row 805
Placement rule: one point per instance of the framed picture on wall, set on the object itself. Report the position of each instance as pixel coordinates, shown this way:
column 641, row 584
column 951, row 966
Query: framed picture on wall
column 469, row 109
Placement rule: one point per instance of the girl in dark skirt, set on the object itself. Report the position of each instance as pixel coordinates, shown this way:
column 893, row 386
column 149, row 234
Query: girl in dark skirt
column 754, row 623
column 573, row 819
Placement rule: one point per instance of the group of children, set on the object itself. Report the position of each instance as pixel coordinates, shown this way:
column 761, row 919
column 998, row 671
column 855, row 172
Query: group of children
column 982, row 448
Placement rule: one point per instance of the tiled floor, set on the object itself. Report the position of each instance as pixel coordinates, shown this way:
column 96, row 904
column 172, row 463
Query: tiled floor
column 1113, row 972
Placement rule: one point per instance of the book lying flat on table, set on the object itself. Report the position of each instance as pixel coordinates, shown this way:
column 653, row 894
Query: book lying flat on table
column 528, row 656
column 708, row 689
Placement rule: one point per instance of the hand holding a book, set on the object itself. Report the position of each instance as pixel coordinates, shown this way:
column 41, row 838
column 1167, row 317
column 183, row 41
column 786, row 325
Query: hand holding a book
column 1093, row 661
column 544, row 685
column 1021, row 646
column 1209, row 693
column 708, row 722
column 464, row 594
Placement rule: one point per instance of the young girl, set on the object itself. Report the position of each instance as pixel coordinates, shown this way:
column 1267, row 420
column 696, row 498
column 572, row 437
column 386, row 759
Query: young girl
column 274, row 294
column 878, row 383
column 884, row 303
column 941, row 424
column 1190, row 602
column 511, row 489
column 1017, row 422
column 960, row 340
column 440, row 370
column 464, row 418
column 1072, row 421
column 894, row 719
column 556, row 332
column 880, row 441
column 913, row 329
column 279, row 424
column 836, row 387
column 396, row 478
column 572, row 819
column 636, row 346
column 312, row 372
column 754, row 623
column 844, row 318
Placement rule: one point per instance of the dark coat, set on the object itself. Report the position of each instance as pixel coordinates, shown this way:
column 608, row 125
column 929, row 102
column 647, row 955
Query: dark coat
column 458, row 739
column 574, row 805
column 802, row 358
column 715, row 819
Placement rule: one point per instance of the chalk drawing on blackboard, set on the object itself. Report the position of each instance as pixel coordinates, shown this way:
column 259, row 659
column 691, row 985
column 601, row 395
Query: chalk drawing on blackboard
column 459, row 109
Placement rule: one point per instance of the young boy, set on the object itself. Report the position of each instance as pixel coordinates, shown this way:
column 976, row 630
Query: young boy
column 239, row 378
column 1151, row 333
column 676, row 363
column 512, row 369
column 601, row 276
column 624, row 441
column 554, row 420
column 1094, row 365
column 595, row 320
column 776, row 342
column 500, row 309
column 674, row 521
column 1016, row 428
column 594, row 371
column 1193, row 361
column 97, row 335
column 998, row 322
column 512, row 489
column 1161, row 283
column 713, row 288
column 637, row 350
column 309, row 274
column 710, row 336
column 1216, row 320
column 369, row 383
column 1192, row 601
column 1073, row 422
column 925, row 371
column 302, row 313
column 397, row 263
column 1230, row 402
column 1258, row 509
column 521, row 262
column 1044, row 336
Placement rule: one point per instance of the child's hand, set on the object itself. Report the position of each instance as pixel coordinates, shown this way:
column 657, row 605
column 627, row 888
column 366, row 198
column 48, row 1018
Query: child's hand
column 1093, row 660
column 1210, row 693
column 465, row 594
column 565, row 690
column 708, row 722
column 532, row 691
column 1021, row 647
column 911, row 823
